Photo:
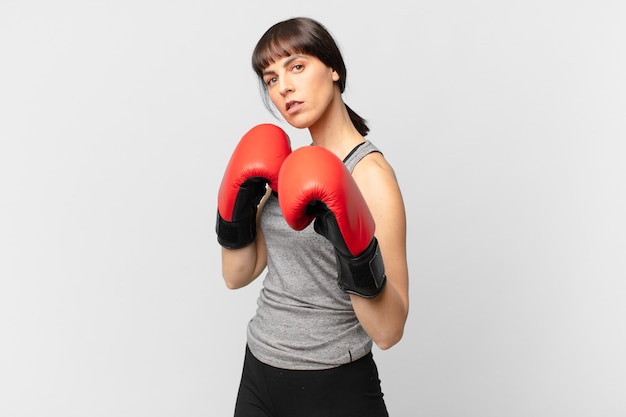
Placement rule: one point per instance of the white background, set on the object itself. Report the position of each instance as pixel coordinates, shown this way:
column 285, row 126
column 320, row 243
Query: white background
column 505, row 122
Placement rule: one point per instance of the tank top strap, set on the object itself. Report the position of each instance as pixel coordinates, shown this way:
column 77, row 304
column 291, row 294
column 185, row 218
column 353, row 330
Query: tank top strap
column 359, row 152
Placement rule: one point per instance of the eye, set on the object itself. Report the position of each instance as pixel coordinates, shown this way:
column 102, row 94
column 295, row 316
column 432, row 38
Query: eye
column 297, row 68
column 270, row 81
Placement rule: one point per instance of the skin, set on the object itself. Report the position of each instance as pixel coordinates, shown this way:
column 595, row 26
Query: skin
column 305, row 92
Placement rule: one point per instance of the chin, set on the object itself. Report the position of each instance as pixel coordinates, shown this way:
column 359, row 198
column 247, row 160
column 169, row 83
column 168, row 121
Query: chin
column 298, row 124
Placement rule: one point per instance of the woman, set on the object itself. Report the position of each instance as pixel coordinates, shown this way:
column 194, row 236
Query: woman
column 309, row 344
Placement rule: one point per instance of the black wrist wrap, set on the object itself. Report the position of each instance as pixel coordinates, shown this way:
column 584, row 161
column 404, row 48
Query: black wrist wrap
column 363, row 275
column 236, row 234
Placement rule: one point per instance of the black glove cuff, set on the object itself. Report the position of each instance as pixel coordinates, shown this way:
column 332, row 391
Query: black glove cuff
column 236, row 234
column 363, row 275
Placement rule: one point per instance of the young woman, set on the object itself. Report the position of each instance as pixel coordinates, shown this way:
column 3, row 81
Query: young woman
column 309, row 343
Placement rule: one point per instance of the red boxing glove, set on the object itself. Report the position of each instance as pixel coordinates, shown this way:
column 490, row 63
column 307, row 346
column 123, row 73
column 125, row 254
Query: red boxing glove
column 254, row 164
column 316, row 185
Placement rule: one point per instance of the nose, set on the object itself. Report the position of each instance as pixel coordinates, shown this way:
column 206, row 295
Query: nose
column 285, row 86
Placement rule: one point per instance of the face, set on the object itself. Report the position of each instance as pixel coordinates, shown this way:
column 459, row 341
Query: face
column 301, row 87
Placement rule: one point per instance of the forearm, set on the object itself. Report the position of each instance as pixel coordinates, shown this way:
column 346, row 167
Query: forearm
column 383, row 317
column 251, row 174
column 242, row 266
column 236, row 273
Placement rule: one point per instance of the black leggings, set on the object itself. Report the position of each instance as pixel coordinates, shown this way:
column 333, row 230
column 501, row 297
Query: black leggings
column 345, row 391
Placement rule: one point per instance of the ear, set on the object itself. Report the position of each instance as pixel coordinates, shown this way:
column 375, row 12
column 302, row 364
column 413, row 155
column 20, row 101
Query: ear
column 335, row 76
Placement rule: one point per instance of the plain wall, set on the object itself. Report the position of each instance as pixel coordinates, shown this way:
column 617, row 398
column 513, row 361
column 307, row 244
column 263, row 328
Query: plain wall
column 504, row 121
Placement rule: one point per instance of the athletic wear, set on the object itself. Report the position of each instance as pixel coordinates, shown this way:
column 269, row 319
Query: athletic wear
column 307, row 354
column 351, row 390
column 304, row 321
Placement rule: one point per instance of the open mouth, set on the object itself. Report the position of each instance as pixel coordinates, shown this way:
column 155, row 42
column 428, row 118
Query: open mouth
column 292, row 105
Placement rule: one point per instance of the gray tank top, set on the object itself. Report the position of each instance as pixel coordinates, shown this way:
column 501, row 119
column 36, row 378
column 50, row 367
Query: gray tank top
column 304, row 320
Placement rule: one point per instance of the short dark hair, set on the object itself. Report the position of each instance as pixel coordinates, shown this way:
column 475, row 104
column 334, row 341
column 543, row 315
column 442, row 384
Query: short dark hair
column 302, row 35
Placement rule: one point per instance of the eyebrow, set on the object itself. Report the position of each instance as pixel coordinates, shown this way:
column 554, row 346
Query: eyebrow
column 286, row 63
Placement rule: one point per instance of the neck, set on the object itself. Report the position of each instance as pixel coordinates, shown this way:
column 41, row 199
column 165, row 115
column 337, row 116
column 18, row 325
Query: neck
column 335, row 131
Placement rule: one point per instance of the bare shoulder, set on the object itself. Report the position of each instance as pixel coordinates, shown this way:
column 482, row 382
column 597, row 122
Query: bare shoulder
column 377, row 182
column 373, row 172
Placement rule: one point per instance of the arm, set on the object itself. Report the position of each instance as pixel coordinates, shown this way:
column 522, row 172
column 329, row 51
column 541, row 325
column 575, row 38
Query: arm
column 242, row 266
column 253, row 166
column 315, row 184
column 384, row 317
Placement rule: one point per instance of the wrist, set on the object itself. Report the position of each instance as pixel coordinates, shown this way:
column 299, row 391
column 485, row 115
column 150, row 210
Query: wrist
column 363, row 275
column 236, row 234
